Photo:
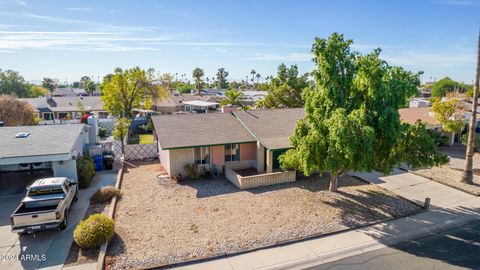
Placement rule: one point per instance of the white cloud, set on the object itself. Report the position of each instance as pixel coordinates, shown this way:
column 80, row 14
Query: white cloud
column 85, row 9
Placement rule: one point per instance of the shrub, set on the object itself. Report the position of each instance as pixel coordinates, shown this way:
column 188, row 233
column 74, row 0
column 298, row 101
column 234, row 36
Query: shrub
column 85, row 171
column 464, row 140
column 102, row 132
column 438, row 138
column 94, row 231
column 192, row 171
column 105, row 194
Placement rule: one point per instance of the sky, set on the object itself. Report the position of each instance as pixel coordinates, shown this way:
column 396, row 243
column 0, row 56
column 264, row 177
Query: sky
column 70, row 39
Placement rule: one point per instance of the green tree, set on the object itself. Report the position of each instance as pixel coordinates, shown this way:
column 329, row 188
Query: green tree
column 198, row 74
column 84, row 80
column 90, row 87
column 351, row 116
column 286, row 89
column 49, row 84
column 252, row 72
column 258, row 76
column 129, row 89
column 76, row 85
column 37, row 91
column 12, row 83
column 167, row 81
column 447, row 112
column 221, row 81
column 122, row 125
column 447, row 85
column 232, row 97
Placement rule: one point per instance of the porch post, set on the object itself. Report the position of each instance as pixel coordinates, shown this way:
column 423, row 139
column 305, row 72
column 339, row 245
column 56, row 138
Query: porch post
column 260, row 157
column 269, row 161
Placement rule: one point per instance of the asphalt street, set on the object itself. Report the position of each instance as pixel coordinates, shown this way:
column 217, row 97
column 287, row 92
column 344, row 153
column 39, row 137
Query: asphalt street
column 457, row 248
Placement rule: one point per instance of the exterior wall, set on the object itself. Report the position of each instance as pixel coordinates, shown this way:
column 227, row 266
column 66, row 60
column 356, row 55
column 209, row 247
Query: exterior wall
column 67, row 169
column 178, row 159
column 248, row 151
column 164, row 157
column 260, row 157
column 218, row 157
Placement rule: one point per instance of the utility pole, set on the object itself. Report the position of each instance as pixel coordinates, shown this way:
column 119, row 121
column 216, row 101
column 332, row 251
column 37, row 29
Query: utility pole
column 467, row 176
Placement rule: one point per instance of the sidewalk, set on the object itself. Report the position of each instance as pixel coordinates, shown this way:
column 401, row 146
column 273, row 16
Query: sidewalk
column 450, row 208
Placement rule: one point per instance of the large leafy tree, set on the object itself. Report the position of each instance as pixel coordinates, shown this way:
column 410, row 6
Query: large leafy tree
column 128, row 89
column 221, row 78
column 12, row 83
column 198, row 74
column 351, row 116
column 447, row 85
column 16, row 113
column 286, row 88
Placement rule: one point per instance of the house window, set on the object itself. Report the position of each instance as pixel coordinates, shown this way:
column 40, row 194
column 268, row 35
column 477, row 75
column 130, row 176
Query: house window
column 232, row 152
column 63, row 115
column 47, row 116
column 202, row 155
column 188, row 108
column 102, row 115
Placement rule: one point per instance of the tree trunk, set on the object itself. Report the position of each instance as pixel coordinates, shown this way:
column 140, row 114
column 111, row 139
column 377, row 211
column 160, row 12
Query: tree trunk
column 333, row 182
column 467, row 176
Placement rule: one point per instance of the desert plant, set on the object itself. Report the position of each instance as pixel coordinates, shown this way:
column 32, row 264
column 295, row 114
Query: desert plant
column 464, row 140
column 85, row 171
column 102, row 132
column 105, row 194
column 94, row 231
column 192, row 171
column 438, row 138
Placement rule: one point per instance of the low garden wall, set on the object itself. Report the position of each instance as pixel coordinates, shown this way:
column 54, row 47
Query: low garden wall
column 258, row 180
column 140, row 151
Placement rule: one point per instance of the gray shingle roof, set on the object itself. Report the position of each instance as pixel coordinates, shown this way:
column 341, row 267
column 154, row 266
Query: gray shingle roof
column 272, row 128
column 187, row 130
column 66, row 104
column 43, row 140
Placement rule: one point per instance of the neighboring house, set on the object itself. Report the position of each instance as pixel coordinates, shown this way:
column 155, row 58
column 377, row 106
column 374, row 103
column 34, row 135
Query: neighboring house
column 424, row 114
column 419, row 103
column 68, row 92
column 66, row 108
column 49, row 147
column 175, row 103
column 238, row 140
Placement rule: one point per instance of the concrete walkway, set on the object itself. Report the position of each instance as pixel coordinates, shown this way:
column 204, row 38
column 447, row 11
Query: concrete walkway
column 450, row 208
column 49, row 249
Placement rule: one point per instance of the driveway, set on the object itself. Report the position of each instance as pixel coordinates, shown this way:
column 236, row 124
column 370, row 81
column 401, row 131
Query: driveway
column 47, row 249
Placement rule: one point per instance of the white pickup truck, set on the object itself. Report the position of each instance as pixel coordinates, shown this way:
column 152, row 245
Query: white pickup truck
column 45, row 206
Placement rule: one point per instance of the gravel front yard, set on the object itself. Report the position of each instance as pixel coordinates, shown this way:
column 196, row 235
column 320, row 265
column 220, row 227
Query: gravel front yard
column 451, row 174
column 160, row 221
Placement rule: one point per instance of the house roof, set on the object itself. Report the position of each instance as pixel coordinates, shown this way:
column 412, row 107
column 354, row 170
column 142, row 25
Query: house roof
column 188, row 130
column 66, row 104
column 42, row 140
column 272, row 128
column 200, row 103
column 411, row 115
column 174, row 100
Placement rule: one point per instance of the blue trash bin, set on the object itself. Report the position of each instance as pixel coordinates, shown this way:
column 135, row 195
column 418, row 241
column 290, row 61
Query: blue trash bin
column 98, row 160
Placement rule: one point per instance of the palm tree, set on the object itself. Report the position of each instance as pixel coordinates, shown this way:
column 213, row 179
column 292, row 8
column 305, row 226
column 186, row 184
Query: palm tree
column 258, row 77
column 232, row 97
column 467, row 176
column 198, row 75
column 253, row 72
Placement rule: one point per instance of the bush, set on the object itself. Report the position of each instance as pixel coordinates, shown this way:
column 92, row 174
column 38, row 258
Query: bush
column 102, row 132
column 438, row 138
column 105, row 194
column 85, row 171
column 464, row 140
column 192, row 171
column 94, row 231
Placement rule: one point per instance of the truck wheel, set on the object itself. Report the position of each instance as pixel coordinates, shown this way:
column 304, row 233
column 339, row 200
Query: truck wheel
column 76, row 197
column 63, row 225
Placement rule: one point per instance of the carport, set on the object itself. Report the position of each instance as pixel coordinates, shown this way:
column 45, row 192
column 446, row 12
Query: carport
column 30, row 149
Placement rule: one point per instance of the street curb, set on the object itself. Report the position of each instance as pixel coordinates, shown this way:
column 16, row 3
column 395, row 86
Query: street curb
column 111, row 212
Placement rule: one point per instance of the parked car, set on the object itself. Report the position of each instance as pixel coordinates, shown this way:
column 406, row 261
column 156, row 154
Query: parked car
column 45, row 205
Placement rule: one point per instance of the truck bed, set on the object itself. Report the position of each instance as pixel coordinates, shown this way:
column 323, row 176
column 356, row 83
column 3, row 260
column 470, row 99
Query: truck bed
column 25, row 210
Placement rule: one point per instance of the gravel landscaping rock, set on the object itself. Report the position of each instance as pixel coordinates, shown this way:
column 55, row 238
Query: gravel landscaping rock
column 160, row 221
